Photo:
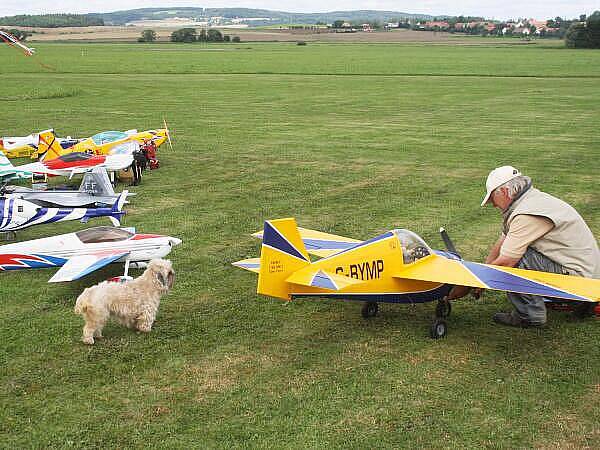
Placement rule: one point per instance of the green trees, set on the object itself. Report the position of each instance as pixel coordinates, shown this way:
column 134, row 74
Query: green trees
column 53, row 20
column 584, row 34
column 593, row 26
column 184, row 35
column 147, row 36
column 191, row 35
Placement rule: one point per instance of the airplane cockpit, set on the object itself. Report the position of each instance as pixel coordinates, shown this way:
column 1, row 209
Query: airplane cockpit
column 103, row 234
column 108, row 136
column 413, row 247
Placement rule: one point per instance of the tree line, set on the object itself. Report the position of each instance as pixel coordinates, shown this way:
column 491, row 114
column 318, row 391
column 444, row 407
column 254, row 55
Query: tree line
column 52, row 20
column 584, row 33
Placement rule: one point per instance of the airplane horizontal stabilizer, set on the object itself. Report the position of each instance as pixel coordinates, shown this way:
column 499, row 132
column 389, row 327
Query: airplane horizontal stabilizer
column 439, row 269
column 252, row 264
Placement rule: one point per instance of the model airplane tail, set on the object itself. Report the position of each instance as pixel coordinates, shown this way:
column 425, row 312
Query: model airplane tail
column 49, row 146
column 117, row 209
column 97, row 182
column 282, row 253
column 7, row 170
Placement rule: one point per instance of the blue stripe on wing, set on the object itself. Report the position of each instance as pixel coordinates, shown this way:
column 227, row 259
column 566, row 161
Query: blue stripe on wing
column 323, row 244
column 362, row 244
column 323, row 281
column 504, row 281
column 97, row 265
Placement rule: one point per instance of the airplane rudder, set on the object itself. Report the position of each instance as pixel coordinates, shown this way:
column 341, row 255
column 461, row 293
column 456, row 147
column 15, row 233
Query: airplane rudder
column 282, row 253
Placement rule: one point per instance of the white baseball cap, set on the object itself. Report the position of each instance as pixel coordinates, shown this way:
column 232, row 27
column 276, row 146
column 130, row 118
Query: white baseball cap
column 497, row 178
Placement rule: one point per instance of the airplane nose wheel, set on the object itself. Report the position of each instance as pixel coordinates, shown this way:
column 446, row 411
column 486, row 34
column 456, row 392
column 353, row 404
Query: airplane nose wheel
column 369, row 309
column 438, row 329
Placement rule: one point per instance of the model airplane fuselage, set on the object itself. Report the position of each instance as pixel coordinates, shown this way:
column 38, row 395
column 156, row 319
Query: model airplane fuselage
column 85, row 251
column 17, row 214
column 65, row 165
column 26, row 146
column 104, row 143
column 394, row 267
column 95, row 191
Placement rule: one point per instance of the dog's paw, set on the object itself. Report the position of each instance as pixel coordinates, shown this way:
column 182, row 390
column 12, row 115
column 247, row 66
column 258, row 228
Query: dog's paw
column 88, row 340
column 144, row 329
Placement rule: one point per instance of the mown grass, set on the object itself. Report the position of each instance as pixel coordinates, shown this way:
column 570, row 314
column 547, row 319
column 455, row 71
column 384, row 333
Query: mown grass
column 350, row 139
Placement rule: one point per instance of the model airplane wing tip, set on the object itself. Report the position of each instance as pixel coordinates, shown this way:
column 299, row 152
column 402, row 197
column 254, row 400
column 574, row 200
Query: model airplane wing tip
column 251, row 264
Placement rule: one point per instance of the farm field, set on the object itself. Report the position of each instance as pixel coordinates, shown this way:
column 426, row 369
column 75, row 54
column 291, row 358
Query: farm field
column 262, row 34
column 352, row 139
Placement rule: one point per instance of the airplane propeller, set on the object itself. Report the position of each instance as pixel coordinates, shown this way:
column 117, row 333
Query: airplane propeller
column 168, row 134
column 448, row 242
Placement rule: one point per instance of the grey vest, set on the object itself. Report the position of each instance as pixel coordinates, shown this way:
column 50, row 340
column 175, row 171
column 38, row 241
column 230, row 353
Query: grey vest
column 570, row 243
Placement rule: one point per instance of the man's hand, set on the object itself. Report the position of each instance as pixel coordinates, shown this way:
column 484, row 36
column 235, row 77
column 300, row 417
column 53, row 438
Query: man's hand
column 458, row 292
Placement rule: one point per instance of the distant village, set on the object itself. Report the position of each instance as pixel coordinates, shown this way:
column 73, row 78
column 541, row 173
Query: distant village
column 521, row 27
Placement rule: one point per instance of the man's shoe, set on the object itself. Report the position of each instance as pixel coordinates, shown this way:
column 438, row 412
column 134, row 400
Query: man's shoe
column 513, row 320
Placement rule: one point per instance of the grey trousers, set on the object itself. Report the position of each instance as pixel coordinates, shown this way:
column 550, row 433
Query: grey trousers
column 531, row 307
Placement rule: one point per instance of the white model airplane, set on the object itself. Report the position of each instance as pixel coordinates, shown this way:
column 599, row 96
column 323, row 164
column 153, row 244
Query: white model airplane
column 81, row 253
column 68, row 164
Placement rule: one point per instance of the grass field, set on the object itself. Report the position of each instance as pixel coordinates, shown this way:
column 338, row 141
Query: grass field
column 350, row 139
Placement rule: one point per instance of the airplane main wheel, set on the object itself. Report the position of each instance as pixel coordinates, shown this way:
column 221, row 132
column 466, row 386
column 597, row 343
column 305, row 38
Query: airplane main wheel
column 443, row 309
column 369, row 309
column 438, row 329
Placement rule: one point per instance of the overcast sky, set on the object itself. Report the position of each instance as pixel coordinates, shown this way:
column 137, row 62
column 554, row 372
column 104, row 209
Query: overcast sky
column 499, row 9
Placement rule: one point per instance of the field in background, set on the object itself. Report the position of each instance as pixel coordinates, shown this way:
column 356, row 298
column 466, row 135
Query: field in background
column 274, row 33
column 349, row 139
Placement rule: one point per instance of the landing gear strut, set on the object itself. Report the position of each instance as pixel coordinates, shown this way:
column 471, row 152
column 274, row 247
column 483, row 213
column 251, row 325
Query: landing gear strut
column 369, row 309
column 439, row 328
column 443, row 308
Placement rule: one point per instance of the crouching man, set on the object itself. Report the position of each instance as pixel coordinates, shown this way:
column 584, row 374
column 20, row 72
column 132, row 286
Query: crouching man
column 539, row 232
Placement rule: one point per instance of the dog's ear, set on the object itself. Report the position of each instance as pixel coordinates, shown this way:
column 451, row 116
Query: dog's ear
column 161, row 279
column 171, row 278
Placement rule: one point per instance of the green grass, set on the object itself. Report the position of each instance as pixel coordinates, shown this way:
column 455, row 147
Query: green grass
column 351, row 139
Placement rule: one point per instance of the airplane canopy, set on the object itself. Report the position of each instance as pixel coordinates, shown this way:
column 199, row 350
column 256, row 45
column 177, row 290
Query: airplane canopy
column 413, row 247
column 103, row 234
column 108, row 136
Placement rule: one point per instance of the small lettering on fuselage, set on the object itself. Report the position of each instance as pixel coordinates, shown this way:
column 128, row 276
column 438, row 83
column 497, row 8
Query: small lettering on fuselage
column 363, row 271
column 275, row 266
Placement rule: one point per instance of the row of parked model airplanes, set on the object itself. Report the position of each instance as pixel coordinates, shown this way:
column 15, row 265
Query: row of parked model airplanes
column 97, row 158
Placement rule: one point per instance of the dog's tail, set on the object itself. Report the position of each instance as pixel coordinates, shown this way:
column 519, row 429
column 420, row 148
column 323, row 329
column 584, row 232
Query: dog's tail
column 81, row 304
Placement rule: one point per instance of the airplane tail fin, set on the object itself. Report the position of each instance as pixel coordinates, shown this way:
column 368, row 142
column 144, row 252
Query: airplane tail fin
column 117, row 209
column 282, row 253
column 7, row 170
column 48, row 146
column 97, row 182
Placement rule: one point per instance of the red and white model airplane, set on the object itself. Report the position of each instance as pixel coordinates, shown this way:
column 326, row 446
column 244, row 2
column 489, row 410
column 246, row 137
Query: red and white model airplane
column 69, row 164
column 81, row 253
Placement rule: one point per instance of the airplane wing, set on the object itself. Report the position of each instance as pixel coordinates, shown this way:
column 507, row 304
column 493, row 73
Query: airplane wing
column 439, row 269
column 319, row 278
column 80, row 266
column 321, row 244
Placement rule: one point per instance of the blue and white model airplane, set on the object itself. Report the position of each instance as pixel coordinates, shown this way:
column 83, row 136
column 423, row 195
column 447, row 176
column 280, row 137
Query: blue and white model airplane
column 17, row 214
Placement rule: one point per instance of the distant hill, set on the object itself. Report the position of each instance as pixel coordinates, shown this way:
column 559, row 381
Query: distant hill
column 200, row 14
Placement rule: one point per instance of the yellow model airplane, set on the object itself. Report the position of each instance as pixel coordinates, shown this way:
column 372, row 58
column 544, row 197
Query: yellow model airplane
column 100, row 144
column 24, row 146
column 395, row 267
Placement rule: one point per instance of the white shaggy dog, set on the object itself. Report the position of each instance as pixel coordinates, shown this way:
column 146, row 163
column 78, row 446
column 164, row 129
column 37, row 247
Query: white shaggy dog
column 133, row 303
